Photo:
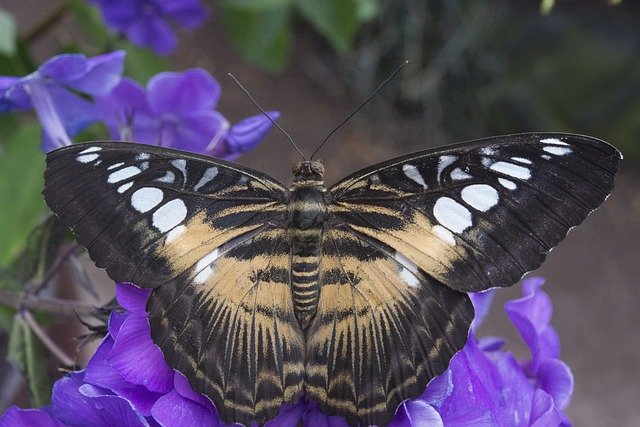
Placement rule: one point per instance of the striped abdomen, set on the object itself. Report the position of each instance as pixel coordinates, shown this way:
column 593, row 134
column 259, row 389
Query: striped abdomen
column 306, row 214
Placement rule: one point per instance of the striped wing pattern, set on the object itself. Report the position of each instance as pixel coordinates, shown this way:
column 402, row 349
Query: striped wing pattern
column 381, row 331
column 400, row 245
column 168, row 220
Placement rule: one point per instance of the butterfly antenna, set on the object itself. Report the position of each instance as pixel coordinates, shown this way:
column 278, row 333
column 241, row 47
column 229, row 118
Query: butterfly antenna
column 375, row 92
column 246, row 92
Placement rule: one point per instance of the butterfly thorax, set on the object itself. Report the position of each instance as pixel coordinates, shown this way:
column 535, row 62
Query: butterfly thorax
column 306, row 214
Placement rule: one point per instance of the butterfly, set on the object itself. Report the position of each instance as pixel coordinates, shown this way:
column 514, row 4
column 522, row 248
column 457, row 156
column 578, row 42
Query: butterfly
column 354, row 296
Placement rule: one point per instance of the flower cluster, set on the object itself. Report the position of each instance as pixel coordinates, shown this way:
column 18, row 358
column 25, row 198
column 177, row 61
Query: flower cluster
column 148, row 22
column 69, row 92
column 127, row 381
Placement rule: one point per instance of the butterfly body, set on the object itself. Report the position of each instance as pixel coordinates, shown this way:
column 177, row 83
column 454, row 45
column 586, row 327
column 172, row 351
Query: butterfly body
column 307, row 212
column 355, row 295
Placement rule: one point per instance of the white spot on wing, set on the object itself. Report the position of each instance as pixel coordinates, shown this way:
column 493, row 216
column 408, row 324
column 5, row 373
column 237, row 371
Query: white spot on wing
column 510, row 185
column 488, row 151
column 90, row 150
column 510, row 169
column 146, row 198
column 122, row 174
column 408, row 277
column 546, row 157
column 413, row 174
column 458, row 175
column 208, row 175
column 444, row 234
column 443, row 162
column 480, row 196
column 557, row 151
column 168, row 177
column 522, row 160
column 174, row 234
column 115, row 165
column 86, row 158
column 555, row 141
column 452, row 214
column 181, row 165
column 143, row 156
column 125, row 187
column 204, row 266
column 169, row 215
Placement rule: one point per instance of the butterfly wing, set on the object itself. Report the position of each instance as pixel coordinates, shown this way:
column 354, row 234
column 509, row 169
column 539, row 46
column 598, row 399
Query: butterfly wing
column 479, row 215
column 406, row 238
column 168, row 220
column 382, row 330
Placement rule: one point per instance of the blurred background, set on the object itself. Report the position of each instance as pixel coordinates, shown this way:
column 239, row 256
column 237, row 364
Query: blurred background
column 476, row 69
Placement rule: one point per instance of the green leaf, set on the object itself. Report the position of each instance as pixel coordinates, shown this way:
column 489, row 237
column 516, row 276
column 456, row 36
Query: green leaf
column 21, row 184
column 28, row 354
column 8, row 36
column 264, row 38
column 88, row 17
column 254, row 5
column 337, row 20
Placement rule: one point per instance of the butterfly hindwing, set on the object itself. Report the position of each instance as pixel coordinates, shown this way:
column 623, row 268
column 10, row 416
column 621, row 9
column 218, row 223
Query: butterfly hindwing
column 383, row 329
column 480, row 214
column 229, row 326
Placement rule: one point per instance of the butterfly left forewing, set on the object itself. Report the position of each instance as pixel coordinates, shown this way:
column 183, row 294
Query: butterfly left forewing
column 135, row 207
column 481, row 214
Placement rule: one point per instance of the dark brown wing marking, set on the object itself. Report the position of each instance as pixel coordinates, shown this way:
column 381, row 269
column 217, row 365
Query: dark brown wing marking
column 383, row 329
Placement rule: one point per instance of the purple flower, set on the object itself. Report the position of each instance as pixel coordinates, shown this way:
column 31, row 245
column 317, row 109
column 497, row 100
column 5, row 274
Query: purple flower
column 178, row 110
column 53, row 91
column 146, row 22
column 127, row 381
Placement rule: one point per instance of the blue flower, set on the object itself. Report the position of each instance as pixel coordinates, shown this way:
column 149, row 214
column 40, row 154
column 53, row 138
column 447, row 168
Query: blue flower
column 178, row 110
column 146, row 22
column 127, row 381
column 53, row 91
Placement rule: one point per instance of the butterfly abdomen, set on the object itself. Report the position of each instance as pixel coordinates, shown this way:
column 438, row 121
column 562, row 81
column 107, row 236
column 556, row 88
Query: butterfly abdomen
column 307, row 211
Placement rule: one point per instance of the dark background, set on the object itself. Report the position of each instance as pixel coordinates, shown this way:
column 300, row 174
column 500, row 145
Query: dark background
column 477, row 69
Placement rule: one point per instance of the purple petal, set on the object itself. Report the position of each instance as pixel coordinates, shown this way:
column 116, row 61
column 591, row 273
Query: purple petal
column 172, row 409
column 99, row 372
column 183, row 93
column 188, row 13
column 12, row 95
column 119, row 14
column 116, row 319
column 549, row 344
column 416, row 413
column 131, row 297
column 555, row 377
column 535, row 305
column 138, row 359
column 43, row 98
column 67, row 66
column 516, row 391
column 245, row 135
column 438, row 389
column 481, row 304
column 183, row 387
column 490, row 343
column 78, row 404
column 153, row 32
column 477, row 417
column 16, row 417
column 476, row 384
column 124, row 109
column 200, row 132
column 102, row 75
column 543, row 412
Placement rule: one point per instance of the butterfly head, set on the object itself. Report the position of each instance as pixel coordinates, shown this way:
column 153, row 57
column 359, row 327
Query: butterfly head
column 308, row 171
